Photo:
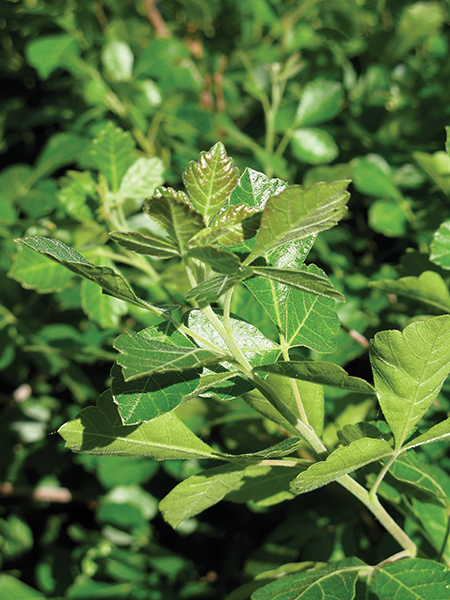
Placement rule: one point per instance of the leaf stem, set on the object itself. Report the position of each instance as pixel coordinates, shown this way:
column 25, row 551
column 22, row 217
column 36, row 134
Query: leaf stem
column 381, row 475
column 294, row 386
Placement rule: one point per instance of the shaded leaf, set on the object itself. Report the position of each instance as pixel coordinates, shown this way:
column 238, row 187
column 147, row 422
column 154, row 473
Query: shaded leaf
column 145, row 244
column 212, row 289
column 409, row 369
column 109, row 280
column 232, row 226
column 411, row 579
column 174, row 213
column 46, row 53
column 440, row 246
column 429, row 287
column 323, row 373
column 113, row 153
column 342, row 461
column 437, row 167
column 313, row 146
column 321, row 101
column 99, row 430
column 146, row 398
column 219, row 260
column 210, row 181
column 388, row 217
column 296, row 213
column 14, row 589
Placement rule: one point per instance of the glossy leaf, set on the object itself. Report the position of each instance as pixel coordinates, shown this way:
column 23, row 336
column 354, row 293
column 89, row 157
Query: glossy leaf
column 437, row 433
column 232, row 226
column 440, row 246
column 254, row 189
column 174, row 213
column 118, row 59
column 323, row 373
column 146, row 398
column 411, row 578
column 153, row 351
column 409, row 369
column 219, row 260
column 212, row 289
column 297, row 213
column 109, row 280
column 429, row 287
column 145, row 244
column 113, row 154
column 99, row 430
column 313, row 146
column 307, row 280
column 335, row 580
column 255, row 346
column 210, row 181
column 342, row 461
column 321, row 101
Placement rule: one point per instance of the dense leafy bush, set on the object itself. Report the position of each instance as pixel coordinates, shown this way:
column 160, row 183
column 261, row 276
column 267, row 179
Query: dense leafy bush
column 106, row 102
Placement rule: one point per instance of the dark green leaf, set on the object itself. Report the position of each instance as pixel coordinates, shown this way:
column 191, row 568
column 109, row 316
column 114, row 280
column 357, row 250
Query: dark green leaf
column 296, row 213
column 145, row 244
column 212, row 289
column 220, row 261
column 232, row 226
column 210, row 181
column 437, row 166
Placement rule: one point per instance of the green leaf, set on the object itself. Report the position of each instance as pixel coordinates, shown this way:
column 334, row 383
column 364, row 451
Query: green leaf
column 212, row 289
column 113, row 154
column 220, row 261
column 437, row 167
column 342, row 461
column 369, row 178
column 306, row 280
column 440, row 246
column 429, row 287
column 409, row 369
column 331, row 582
column 34, row 271
column 174, row 213
column 101, row 308
column 321, row 100
column 141, row 179
column 118, row 59
column 152, row 351
column 14, row 589
column 111, row 282
column 296, row 213
column 210, row 181
column 388, row 217
column 62, row 149
column 78, row 186
column 255, row 346
column 146, row 398
column 99, row 430
column 254, row 189
column 411, row 579
column 323, row 373
column 232, row 226
column 313, row 146
column 413, row 470
column 437, row 433
column 145, row 244
column 47, row 53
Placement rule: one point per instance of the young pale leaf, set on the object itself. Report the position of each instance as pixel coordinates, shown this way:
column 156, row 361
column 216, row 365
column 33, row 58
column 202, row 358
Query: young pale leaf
column 429, row 287
column 219, row 260
column 113, row 153
column 313, row 146
column 109, row 280
column 323, row 373
column 232, row 226
column 254, row 189
column 306, row 280
column 212, row 289
column 342, row 461
column 255, row 346
column 141, row 179
column 409, row 369
column 331, row 582
column 210, row 181
column 413, row 470
column 99, row 430
column 440, row 246
column 174, row 213
column 437, row 433
column 411, row 578
column 149, row 397
column 296, row 213
column 145, row 244
column 142, row 354
column 35, row 272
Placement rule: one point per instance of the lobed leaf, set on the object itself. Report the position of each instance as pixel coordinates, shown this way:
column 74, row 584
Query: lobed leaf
column 342, row 461
column 296, row 213
column 210, row 181
column 99, row 430
column 321, row 372
column 429, row 287
column 409, row 369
